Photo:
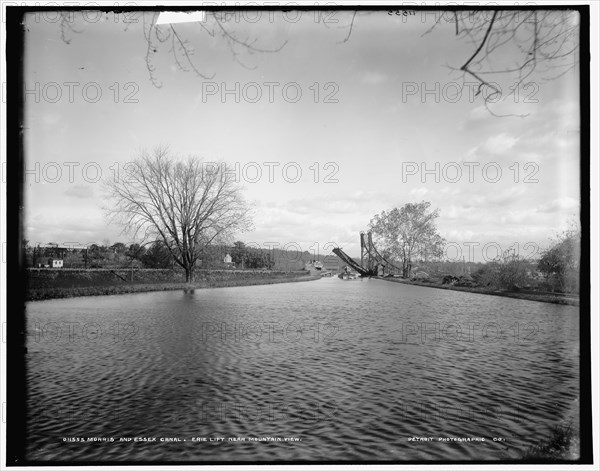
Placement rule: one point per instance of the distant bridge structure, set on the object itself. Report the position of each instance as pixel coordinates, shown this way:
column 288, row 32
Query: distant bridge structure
column 372, row 263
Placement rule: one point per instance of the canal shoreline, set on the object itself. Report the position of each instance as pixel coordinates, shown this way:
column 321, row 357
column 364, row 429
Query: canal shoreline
column 74, row 285
column 528, row 296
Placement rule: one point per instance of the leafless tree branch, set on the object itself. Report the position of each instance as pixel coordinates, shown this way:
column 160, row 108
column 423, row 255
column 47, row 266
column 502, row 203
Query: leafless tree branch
column 350, row 29
column 185, row 204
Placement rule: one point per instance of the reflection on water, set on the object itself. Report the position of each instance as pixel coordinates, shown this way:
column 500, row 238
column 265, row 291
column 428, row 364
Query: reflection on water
column 324, row 370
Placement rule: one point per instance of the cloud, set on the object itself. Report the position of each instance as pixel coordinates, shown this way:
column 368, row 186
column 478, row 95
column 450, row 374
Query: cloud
column 80, row 191
column 374, row 78
column 503, row 198
column 77, row 228
column 51, row 119
column 329, row 205
column 559, row 205
column 499, row 144
column 480, row 118
column 418, row 192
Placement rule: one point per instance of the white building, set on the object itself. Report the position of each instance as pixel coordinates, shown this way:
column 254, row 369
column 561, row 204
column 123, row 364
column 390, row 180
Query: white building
column 227, row 261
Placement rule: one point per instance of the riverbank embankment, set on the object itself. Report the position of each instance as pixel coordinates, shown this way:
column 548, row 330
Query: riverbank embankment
column 67, row 283
column 555, row 298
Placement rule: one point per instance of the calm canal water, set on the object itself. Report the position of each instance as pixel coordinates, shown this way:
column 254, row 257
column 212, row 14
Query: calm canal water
column 322, row 370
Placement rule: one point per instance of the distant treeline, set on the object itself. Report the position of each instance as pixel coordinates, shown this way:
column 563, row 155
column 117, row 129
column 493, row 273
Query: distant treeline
column 156, row 255
column 556, row 269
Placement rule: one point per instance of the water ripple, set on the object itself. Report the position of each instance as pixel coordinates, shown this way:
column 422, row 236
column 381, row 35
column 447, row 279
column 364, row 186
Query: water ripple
column 352, row 369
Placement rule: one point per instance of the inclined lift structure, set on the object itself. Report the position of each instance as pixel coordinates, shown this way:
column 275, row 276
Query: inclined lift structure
column 372, row 263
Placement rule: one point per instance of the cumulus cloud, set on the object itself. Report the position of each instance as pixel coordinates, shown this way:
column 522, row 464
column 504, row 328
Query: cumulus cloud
column 79, row 229
column 559, row 205
column 374, row 78
column 80, row 191
column 499, row 144
column 418, row 192
column 51, row 119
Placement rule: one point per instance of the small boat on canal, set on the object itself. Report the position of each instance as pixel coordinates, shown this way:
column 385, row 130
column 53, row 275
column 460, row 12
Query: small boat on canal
column 348, row 274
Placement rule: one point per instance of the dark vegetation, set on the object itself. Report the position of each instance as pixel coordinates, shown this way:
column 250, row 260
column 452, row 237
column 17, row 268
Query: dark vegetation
column 156, row 256
column 47, row 283
column 408, row 238
column 556, row 448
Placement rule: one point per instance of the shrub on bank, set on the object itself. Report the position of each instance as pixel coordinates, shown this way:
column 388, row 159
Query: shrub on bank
column 556, row 447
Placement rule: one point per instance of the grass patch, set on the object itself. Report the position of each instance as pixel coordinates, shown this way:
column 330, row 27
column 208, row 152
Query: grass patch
column 57, row 292
column 557, row 447
column 544, row 298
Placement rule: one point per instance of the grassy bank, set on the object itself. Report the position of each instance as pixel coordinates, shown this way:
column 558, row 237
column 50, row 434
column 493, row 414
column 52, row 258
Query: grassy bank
column 561, row 445
column 541, row 297
column 51, row 284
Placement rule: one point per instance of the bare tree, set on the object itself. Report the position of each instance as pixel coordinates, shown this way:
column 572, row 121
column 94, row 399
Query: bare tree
column 510, row 46
column 186, row 204
column 169, row 37
column 507, row 45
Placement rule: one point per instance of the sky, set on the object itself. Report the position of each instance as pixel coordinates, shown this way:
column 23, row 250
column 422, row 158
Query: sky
column 341, row 127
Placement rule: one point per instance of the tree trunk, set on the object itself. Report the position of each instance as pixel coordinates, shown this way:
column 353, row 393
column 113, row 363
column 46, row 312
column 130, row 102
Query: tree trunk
column 189, row 274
